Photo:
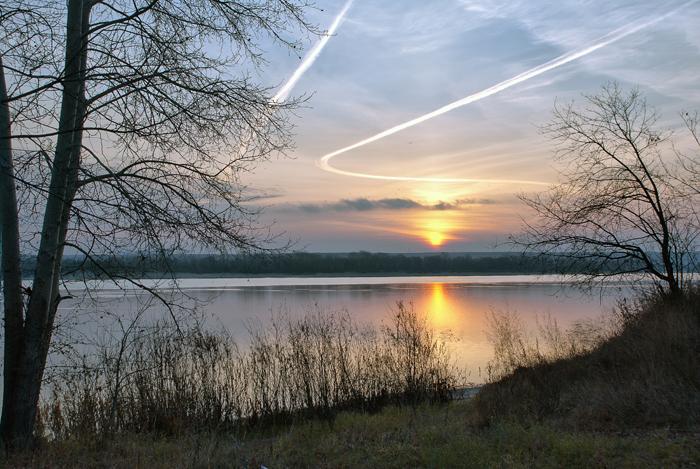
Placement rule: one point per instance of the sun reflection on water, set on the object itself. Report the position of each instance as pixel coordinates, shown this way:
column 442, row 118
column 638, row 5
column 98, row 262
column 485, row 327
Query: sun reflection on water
column 441, row 312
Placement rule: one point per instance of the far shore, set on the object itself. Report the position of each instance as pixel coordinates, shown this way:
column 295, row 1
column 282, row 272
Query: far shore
column 216, row 282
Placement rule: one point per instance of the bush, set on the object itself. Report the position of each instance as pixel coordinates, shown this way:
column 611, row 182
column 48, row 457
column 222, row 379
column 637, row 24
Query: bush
column 157, row 379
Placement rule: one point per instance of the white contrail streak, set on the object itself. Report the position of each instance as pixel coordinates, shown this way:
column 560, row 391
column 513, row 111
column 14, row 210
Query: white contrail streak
column 311, row 56
column 283, row 93
column 616, row 35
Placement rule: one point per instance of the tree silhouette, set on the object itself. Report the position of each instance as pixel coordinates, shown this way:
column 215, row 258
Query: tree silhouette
column 619, row 203
column 125, row 126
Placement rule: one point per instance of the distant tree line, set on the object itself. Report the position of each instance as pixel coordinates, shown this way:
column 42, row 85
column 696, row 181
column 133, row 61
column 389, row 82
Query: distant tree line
column 305, row 263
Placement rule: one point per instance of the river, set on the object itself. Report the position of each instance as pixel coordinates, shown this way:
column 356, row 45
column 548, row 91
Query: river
column 456, row 307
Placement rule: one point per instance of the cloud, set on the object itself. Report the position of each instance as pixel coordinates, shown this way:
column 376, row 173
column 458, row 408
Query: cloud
column 413, row 26
column 610, row 38
column 253, row 195
column 474, row 201
column 363, row 204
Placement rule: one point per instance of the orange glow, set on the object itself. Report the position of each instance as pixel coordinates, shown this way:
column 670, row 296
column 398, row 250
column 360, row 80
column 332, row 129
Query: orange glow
column 434, row 194
column 436, row 239
column 442, row 312
column 436, row 231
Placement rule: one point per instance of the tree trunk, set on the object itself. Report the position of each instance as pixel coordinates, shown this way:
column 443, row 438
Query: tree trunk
column 11, row 273
column 671, row 275
column 41, row 310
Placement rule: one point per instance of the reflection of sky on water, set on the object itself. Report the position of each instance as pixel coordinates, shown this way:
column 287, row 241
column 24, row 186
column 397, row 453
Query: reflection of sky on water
column 456, row 311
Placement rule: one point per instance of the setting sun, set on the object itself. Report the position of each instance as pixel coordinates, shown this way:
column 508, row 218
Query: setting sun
column 437, row 231
column 436, row 239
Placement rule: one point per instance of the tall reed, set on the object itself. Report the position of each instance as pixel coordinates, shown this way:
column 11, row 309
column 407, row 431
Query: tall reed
column 158, row 379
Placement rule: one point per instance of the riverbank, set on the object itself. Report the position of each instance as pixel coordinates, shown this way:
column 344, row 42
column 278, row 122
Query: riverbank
column 641, row 372
column 627, row 395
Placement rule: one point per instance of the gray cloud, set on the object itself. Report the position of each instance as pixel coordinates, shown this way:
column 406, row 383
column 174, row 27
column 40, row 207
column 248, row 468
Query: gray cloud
column 474, row 201
column 363, row 204
column 253, row 195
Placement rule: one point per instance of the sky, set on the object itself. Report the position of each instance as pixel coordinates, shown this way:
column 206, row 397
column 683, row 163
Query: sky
column 392, row 61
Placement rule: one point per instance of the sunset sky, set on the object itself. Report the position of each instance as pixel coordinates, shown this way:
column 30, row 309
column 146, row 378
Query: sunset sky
column 391, row 61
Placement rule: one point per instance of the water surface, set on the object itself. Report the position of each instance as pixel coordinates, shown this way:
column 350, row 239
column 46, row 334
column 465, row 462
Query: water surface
column 456, row 307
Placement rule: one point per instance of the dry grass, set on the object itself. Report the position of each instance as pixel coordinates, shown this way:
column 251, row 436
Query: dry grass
column 643, row 372
column 396, row 437
column 156, row 380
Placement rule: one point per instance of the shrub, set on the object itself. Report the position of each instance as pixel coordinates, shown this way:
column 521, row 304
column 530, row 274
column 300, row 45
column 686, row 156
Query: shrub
column 155, row 378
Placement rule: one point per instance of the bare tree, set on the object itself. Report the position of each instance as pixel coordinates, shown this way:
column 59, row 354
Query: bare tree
column 619, row 209
column 125, row 126
column 690, row 158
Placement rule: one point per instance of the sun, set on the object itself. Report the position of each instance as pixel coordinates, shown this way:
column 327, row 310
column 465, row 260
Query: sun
column 436, row 239
column 436, row 232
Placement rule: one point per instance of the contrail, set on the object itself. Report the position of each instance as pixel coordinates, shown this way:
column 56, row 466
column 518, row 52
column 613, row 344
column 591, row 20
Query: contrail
column 311, row 56
column 614, row 36
column 283, row 93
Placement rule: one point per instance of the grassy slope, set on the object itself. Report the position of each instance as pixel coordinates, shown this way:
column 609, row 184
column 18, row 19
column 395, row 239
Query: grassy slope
column 645, row 376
